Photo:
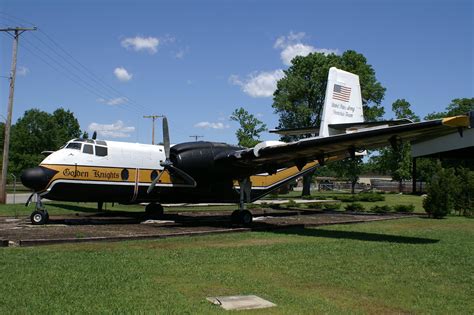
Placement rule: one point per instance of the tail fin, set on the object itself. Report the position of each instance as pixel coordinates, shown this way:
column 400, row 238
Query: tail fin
column 343, row 102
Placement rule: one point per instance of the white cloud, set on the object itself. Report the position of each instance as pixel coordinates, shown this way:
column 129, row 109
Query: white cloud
column 211, row 125
column 113, row 101
column 115, row 130
column 292, row 46
column 261, row 84
column 180, row 54
column 22, row 71
column 292, row 51
column 139, row 43
column 122, row 74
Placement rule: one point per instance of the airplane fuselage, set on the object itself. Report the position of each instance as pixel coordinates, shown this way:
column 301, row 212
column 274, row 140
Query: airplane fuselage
column 107, row 171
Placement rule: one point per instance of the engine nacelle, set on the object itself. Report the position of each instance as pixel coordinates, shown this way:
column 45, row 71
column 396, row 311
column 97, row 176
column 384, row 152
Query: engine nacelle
column 197, row 158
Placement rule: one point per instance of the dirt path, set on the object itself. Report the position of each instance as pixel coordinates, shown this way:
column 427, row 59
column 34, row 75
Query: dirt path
column 115, row 226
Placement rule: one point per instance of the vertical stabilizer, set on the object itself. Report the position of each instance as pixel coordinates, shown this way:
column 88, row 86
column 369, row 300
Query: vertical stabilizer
column 343, row 102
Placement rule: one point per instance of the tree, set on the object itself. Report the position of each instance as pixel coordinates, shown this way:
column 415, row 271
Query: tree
column 401, row 109
column 396, row 160
column 349, row 168
column 458, row 106
column 299, row 97
column 38, row 131
column 248, row 134
column 67, row 126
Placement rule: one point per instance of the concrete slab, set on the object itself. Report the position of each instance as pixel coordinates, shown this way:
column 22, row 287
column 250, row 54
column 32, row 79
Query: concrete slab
column 240, row 302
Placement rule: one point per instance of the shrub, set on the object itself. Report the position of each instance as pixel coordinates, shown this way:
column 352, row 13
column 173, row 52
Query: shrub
column 442, row 191
column 332, row 206
column 355, row 206
column 404, row 208
column 371, row 197
column 307, row 197
column 381, row 209
column 292, row 204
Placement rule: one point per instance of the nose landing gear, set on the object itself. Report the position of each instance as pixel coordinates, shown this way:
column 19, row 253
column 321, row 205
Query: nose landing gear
column 40, row 215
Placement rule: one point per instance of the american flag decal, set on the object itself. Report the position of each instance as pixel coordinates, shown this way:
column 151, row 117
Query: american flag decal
column 341, row 93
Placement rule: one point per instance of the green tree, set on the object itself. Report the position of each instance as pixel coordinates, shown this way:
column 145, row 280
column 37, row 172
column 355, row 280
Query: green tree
column 38, row 131
column 67, row 126
column 402, row 109
column 458, row 106
column 299, row 97
column 248, row 134
column 464, row 201
column 349, row 169
column 397, row 160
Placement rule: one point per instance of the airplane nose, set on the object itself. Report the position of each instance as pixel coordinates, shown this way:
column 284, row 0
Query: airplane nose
column 37, row 178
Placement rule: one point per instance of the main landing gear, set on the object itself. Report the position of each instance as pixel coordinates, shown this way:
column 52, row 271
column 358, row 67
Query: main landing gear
column 40, row 215
column 242, row 215
column 154, row 210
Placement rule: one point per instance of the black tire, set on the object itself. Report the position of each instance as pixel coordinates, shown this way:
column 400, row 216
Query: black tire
column 235, row 217
column 154, row 210
column 39, row 217
column 246, row 217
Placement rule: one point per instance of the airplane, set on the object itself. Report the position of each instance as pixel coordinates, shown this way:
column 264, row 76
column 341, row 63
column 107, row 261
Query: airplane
column 91, row 170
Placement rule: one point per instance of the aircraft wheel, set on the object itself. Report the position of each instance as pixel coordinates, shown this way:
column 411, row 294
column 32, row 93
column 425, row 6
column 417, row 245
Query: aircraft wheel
column 243, row 217
column 154, row 209
column 246, row 217
column 235, row 217
column 39, row 217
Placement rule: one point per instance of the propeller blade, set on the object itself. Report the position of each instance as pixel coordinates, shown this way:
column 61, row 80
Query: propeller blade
column 166, row 138
column 154, row 182
column 187, row 178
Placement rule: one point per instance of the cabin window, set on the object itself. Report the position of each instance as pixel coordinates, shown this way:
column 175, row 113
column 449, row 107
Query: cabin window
column 101, row 142
column 100, row 151
column 88, row 148
column 74, row 145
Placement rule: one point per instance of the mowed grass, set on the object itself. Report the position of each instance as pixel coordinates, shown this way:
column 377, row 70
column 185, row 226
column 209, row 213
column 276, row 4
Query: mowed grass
column 410, row 265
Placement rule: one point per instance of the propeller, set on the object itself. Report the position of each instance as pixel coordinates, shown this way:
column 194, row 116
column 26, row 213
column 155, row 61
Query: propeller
column 167, row 164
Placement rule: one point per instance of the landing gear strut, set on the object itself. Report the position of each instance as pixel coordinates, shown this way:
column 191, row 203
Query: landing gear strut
column 243, row 216
column 40, row 215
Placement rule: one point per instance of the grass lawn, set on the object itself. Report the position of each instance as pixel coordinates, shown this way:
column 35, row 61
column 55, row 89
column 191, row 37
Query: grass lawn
column 411, row 265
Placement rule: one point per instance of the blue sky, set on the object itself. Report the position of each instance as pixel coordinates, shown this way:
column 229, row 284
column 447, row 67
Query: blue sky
column 196, row 61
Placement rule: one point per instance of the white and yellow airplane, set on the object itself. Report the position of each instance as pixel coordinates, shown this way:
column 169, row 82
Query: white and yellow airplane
column 89, row 170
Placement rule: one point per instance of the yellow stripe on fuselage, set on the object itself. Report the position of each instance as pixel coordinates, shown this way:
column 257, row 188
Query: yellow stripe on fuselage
column 107, row 174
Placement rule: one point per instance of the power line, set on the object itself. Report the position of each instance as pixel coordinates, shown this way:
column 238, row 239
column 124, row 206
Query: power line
column 68, row 62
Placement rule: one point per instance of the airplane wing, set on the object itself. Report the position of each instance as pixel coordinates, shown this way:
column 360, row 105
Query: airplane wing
column 303, row 151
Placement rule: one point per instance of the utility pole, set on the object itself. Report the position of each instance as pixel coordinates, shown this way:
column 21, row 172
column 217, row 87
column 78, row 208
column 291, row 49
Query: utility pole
column 153, row 118
column 196, row 137
column 17, row 31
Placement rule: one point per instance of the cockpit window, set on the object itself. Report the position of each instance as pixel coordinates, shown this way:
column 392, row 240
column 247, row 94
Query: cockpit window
column 74, row 145
column 100, row 151
column 88, row 148
column 101, row 142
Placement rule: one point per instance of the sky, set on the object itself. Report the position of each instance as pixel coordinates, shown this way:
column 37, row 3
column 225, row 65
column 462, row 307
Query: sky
column 112, row 62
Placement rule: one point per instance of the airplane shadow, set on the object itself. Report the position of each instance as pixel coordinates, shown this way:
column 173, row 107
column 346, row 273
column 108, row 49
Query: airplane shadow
column 222, row 221
column 359, row 236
